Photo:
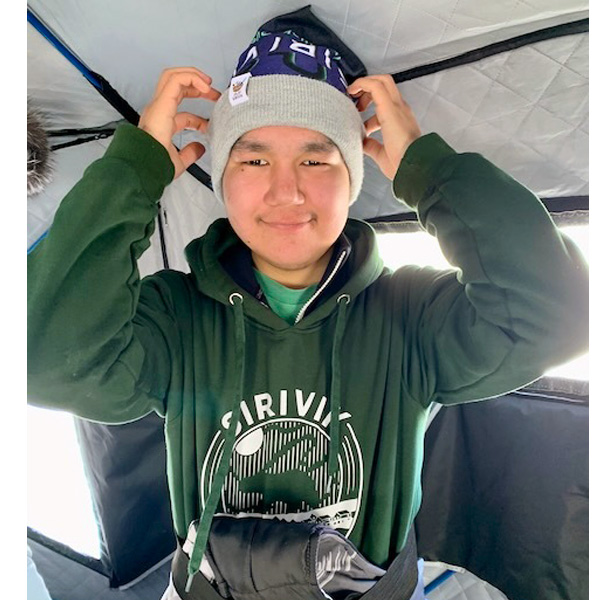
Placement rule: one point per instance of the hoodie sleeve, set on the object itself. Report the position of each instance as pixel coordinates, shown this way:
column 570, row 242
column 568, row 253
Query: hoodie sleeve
column 516, row 302
column 99, row 339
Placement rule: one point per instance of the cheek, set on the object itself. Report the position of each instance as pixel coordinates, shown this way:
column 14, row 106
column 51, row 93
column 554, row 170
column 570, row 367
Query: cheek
column 236, row 193
column 236, row 206
column 332, row 193
column 240, row 219
column 229, row 184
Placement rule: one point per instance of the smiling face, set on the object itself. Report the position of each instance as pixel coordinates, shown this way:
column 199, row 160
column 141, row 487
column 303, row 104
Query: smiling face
column 287, row 194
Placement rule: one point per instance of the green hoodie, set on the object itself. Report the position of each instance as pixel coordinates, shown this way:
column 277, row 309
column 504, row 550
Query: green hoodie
column 328, row 413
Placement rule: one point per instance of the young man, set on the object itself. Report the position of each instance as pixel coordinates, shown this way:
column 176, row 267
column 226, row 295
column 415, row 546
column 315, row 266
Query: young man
column 295, row 373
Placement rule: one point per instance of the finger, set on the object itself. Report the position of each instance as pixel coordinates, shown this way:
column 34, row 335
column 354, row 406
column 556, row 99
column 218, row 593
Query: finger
column 168, row 73
column 372, row 125
column 365, row 100
column 377, row 89
column 360, row 85
column 387, row 81
column 362, row 99
column 185, row 120
column 191, row 153
column 373, row 148
column 376, row 151
column 390, row 85
column 179, row 87
column 182, row 85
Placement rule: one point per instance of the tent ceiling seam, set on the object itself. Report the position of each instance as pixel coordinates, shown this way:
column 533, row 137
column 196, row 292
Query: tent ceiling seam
column 548, row 33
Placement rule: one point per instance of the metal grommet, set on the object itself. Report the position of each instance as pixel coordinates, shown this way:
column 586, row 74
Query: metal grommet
column 233, row 295
column 344, row 297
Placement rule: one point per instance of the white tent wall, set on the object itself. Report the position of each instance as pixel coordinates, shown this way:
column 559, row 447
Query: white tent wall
column 60, row 91
column 65, row 99
column 423, row 32
column 188, row 208
column 68, row 165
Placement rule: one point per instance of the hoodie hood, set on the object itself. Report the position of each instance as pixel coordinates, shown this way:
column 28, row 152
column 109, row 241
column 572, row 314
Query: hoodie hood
column 206, row 257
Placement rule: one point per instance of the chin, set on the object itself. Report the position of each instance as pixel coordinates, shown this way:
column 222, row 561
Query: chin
column 292, row 263
column 293, row 259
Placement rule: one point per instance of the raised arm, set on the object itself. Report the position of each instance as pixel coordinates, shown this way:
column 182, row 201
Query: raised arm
column 517, row 302
column 100, row 339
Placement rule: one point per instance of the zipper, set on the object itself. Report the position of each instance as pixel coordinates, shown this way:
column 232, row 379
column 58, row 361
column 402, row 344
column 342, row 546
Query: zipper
column 302, row 312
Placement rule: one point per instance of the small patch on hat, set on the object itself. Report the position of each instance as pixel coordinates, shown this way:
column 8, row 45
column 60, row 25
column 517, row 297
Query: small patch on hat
column 238, row 89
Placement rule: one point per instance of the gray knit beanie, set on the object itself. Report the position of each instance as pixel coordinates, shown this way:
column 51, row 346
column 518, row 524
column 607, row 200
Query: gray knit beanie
column 283, row 79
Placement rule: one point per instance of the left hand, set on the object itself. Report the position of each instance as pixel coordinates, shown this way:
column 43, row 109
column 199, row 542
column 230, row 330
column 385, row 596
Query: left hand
column 393, row 117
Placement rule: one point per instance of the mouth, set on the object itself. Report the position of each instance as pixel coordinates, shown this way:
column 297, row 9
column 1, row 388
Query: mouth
column 287, row 225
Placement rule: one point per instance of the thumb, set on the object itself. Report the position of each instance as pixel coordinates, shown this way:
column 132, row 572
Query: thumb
column 373, row 148
column 190, row 154
column 376, row 151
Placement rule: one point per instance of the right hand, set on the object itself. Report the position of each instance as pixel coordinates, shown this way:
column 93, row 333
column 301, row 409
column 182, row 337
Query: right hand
column 161, row 119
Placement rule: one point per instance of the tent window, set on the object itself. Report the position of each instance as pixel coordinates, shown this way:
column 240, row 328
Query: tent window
column 420, row 248
column 59, row 501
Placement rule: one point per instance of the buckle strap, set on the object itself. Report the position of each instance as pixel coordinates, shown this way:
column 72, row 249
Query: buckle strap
column 400, row 580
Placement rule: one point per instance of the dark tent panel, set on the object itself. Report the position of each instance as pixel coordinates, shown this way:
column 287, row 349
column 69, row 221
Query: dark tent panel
column 506, row 494
column 68, row 578
column 125, row 469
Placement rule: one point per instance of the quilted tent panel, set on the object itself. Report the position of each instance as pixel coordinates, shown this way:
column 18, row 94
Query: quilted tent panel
column 534, row 128
column 402, row 35
column 459, row 584
column 526, row 109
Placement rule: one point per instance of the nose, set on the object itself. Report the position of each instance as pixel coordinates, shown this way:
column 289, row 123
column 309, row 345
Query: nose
column 284, row 187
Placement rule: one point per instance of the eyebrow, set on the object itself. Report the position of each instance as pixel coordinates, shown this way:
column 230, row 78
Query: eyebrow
column 324, row 147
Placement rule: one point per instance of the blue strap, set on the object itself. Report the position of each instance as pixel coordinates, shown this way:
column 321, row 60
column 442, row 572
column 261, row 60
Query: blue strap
column 442, row 578
column 52, row 39
column 36, row 243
